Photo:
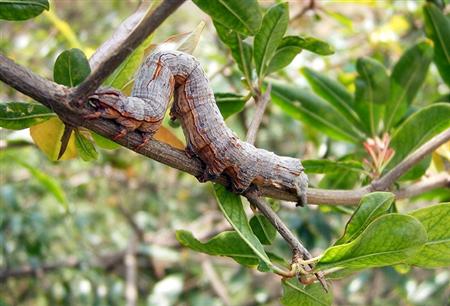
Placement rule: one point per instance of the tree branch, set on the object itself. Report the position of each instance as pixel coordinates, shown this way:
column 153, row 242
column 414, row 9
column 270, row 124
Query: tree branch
column 261, row 104
column 437, row 181
column 295, row 244
column 389, row 178
column 115, row 56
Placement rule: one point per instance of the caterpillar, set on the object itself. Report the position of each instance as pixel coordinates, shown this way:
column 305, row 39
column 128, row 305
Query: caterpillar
column 167, row 74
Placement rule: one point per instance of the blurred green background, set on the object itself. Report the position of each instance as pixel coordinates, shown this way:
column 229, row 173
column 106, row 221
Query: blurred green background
column 78, row 233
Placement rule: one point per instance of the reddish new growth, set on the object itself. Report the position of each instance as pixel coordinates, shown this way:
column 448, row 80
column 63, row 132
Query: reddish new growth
column 380, row 154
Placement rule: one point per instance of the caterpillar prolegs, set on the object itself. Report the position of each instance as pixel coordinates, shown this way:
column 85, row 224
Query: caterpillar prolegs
column 171, row 73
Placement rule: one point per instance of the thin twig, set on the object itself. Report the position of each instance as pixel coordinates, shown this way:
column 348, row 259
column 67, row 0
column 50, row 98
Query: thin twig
column 216, row 283
column 261, row 104
column 433, row 182
column 130, row 263
column 310, row 7
column 115, row 57
column 389, row 178
column 294, row 243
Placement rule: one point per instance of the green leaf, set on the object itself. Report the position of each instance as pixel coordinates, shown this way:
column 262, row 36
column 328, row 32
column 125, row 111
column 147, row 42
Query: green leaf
column 388, row 240
column 313, row 111
column 104, row 142
column 372, row 93
column 334, row 93
column 240, row 50
column 266, row 42
column 436, row 220
column 284, row 54
column 311, row 44
column 290, row 46
column 437, row 28
column 243, row 16
column 227, row 243
column 85, row 147
column 330, row 166
column 407, row 77
column 71, row 68
column 263, row 229
column 21, row 115
column 340, row 179
column 371, row 207
column 51, row 184
column 22, row 9
column 229, row 103
column 232, row 208
column 417, row 129
column 296, row 294
column 127, row 69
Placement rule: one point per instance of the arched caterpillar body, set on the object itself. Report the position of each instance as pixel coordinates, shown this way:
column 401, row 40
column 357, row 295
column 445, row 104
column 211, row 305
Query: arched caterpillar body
column 170, row 73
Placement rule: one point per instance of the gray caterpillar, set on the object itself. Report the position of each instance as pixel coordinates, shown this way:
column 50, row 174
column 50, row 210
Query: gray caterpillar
column 170, row 73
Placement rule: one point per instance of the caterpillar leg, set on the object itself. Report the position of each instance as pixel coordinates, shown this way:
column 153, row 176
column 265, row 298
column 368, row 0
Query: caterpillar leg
column 209, row 174
column 239, row 182
column 189, row 151
column 127, row 125
column 146, row 137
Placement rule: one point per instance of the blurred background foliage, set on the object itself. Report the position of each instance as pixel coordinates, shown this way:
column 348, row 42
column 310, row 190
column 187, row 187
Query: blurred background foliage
column 71, row 231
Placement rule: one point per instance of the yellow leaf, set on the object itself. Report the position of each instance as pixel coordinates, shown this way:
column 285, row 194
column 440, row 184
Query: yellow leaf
column 444, row 150
column 166, row 136
column 47, row 136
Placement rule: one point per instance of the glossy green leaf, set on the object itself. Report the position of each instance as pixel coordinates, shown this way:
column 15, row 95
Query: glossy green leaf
column 296, row 294
column 311, row 44
column 340, row 179
column 372, row 93
column 22, row 9
column 71, row 68
column 343, row 273
column 243, row 16
column 437, row 27
column 263, row 229
column 232, row 208
column 126, row 71
column 272, row 30
column 21, row 115
column 104, row 142
column 334, row 93
column 240, row 50
column 436, row 252
column 85, row 147
column 312, row 110
column 388, row 240
column 371, row 207
column 49, row 183
column 229, row 103
column 228, row 244
column 286, row 51
column 330, row 166
column 290, row 46
column 417, row 129
column 407, row 77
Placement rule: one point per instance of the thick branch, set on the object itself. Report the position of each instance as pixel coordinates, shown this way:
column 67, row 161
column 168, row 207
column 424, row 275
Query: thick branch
column 30, row 84
column 116, row 56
